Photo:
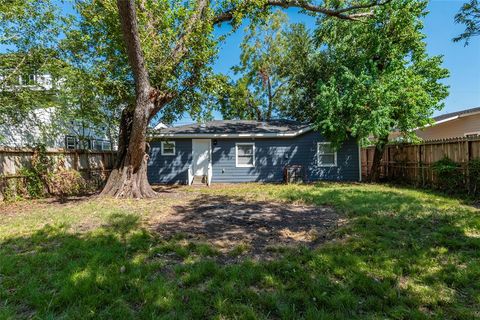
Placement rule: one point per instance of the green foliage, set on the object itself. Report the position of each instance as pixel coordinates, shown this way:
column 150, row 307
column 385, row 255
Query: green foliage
column 474, row 176
column 377, row 76
column 29, row 33
column 34, row 185
column 448, row 175
column 257, row 92
column 469, row 15
column 11, row 189
column 36, row 176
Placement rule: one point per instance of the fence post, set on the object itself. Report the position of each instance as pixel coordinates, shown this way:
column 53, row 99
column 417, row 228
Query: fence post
column 467, row 162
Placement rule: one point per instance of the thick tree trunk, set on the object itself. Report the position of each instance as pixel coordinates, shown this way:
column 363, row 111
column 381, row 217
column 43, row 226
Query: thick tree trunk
column 377, row 159
column 129, row 177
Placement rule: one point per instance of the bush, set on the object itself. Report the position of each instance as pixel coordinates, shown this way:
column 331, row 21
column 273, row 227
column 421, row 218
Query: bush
column 35, row 187
column 65, row 183
column 449, row 176
column 474, row 176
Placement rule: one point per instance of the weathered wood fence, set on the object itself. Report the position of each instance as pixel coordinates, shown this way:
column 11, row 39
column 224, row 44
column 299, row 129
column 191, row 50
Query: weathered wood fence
column 90, row 163
column 412, row 163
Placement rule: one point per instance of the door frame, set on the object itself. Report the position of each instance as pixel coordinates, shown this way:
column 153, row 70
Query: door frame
column 209, row 155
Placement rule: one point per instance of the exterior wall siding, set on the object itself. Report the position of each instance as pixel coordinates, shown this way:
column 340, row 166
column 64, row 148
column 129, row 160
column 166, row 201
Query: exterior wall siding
column 169, row 169
column 451, row 129
column 271, row 157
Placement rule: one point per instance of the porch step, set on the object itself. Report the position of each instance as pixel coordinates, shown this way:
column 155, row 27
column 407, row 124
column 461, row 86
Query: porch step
column 199, row 180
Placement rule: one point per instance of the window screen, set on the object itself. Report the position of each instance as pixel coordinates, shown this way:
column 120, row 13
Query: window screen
column 245, row 155
column 327, row 157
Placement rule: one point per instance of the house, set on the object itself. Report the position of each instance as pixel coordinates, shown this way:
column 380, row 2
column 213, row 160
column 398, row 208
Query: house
column 37, row 128
column 458, row 124
column 43, row 124
column 246, row 151
column 453, row 125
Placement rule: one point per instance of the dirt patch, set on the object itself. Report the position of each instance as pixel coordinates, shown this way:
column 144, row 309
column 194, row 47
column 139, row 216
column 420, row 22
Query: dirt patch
column 240, row 227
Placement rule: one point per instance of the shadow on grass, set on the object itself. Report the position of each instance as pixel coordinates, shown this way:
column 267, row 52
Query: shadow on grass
column 395, row 259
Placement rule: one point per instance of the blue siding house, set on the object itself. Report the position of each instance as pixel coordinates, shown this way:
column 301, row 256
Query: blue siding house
column 248, row 151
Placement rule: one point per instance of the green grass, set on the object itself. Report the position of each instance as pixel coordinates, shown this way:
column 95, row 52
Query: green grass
column 399, row 254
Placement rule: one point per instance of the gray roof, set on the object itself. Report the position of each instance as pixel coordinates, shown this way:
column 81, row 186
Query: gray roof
column 238, row 127
column 454, row 114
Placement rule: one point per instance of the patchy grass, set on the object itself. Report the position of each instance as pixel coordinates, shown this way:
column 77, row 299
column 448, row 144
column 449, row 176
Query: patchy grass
column 400, row 254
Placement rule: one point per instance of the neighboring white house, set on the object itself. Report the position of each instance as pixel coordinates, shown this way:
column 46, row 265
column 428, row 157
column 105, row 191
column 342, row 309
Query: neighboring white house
column 44, row 125
column 37, row 128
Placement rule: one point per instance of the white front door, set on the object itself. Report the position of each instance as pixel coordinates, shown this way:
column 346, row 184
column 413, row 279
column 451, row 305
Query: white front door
column 201, row 156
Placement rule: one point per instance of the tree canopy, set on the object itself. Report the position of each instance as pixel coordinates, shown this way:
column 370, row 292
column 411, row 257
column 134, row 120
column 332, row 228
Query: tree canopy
column 469, row 15
column 256, row 92
column 377, row 76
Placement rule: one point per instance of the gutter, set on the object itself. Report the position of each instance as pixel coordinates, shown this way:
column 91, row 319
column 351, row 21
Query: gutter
column 231, row 135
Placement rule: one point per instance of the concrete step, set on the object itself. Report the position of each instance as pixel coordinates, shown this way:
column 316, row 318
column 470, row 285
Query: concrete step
column 199, row 180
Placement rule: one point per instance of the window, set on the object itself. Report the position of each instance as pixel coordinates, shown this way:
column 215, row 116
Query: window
column 245, row 154
column 327, row 157
column 70, row 142
column 168, row 148
column 106, row 145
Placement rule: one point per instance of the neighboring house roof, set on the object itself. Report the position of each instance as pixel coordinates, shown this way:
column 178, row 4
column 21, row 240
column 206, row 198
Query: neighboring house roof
column 455, row 115
column 160, row 126
column 237, row 128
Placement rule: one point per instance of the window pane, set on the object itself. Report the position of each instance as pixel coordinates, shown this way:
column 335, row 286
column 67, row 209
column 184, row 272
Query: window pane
column 325, row 148
column 168, row 148
column 326, row 159
column 245, row 160
column 245, row 150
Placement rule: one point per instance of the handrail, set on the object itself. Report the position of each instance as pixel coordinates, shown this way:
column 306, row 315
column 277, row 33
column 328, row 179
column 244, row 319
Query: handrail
column 190, row 175
column 209, row 174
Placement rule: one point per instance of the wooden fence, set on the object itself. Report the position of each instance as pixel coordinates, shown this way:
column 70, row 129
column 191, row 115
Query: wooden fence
column 90, row 163
column 412, row 163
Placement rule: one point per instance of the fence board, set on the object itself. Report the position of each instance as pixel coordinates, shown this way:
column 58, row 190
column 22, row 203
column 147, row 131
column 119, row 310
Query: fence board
column 412, row 163
column 94, row 166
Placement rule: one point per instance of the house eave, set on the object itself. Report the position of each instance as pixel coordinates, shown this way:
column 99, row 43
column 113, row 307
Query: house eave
column 230, row 135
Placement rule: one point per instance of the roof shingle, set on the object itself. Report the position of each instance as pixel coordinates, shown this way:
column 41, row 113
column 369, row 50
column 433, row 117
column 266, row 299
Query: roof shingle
column 238, row 127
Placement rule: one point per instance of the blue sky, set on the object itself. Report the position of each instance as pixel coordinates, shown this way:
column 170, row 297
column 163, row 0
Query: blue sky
column 463, row 62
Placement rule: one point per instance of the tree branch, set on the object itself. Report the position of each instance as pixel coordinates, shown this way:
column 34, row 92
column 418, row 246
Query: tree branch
column 181, row 47
column 338, row 13
column 128, row 20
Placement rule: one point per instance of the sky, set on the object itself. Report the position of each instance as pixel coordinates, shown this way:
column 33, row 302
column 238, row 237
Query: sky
column 463, row 62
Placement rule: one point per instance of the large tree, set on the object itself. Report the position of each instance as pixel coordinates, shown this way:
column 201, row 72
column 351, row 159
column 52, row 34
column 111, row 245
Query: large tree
column 257, row 90
column 376, row 78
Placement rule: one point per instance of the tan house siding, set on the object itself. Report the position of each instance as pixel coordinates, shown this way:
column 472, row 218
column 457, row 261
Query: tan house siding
column 452, row 128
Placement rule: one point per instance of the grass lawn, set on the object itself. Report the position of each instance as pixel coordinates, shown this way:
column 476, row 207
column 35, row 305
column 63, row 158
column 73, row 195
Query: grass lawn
column 397, row 254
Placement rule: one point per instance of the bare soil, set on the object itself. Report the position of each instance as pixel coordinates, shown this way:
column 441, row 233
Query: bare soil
column 239, row 227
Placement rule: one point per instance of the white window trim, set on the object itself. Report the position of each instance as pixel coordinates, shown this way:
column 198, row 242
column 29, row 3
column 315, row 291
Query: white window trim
column 72, row 140
column 163, row 150
column 318, row 156
column 471, row 133
column 236, row 154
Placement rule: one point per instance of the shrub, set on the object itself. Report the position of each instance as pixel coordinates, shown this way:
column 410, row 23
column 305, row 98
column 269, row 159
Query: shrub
column 449, row 176
column 474, row 175
column 65, row 183
column 34, row 185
